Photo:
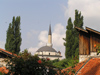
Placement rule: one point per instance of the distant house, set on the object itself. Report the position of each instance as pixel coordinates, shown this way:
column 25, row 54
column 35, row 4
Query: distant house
column 3, row 55
column 48, row 51
column 87, row 39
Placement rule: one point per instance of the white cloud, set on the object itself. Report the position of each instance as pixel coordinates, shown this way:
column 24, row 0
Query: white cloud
column 42, row 41
column 31, row 33
column 57, row 37
column 58, row 34
column 2, row 45
column 32, row 50
column 90, row 10
column 43, row 38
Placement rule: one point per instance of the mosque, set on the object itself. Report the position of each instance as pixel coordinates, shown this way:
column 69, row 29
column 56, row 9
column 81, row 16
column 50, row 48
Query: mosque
column 48, row 51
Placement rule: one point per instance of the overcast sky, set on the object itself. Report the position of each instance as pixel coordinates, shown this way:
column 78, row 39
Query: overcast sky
column 36, row 15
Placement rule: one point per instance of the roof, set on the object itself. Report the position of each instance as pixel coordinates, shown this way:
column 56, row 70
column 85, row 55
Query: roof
column 92, row 67
column 46, row 48
column 7, row 53
column 88, row 30
column 77, row 67
column 80, row 29
column 92, row 30
column 87, row 67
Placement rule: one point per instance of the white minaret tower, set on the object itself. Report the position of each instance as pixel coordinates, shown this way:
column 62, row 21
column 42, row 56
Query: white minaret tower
column 49, row 37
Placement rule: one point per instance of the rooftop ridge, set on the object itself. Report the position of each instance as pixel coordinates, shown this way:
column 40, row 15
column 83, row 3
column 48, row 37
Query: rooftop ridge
column 10, row 53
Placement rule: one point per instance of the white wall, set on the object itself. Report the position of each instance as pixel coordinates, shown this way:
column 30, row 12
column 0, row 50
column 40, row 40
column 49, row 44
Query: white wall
column 47, row 53
column 51, row 58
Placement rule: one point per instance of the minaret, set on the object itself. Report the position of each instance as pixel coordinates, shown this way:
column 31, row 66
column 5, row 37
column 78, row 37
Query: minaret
column 49, row 37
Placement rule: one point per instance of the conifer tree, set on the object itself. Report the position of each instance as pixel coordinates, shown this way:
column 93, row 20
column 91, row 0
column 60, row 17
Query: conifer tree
column 69, row 39
column 9, row 38
column 78, row 22
column 13, row 40
column 72, row 36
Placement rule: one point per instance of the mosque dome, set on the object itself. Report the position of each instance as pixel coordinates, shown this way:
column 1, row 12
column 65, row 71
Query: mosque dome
column 47, row 49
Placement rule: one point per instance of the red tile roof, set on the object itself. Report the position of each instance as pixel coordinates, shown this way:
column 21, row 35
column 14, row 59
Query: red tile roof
column 77, row 67
column 92, row 67
column 7, row 52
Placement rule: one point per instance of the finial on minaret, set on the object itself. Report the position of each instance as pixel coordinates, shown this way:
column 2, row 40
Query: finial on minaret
column 49, row 37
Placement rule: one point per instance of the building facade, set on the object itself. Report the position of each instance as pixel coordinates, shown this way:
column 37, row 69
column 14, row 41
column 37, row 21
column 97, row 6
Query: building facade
column 87, row 39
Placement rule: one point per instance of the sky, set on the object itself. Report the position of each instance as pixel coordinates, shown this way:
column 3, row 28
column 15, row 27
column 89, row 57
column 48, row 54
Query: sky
column 37, row 15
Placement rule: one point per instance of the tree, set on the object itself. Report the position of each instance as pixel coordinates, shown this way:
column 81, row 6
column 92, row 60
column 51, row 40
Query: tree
column 13, row 40
column 79, row 23
column 72, row 36
column 69, row 39
column 9, row 38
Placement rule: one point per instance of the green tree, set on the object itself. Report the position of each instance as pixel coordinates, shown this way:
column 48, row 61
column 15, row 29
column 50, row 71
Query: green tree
column 78, row 22
column 13, row 40
column 72, row 36
column 69, row 39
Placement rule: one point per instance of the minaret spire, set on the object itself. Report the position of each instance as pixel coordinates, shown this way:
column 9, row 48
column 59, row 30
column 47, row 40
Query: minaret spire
column 49, row 30
column 49, row 37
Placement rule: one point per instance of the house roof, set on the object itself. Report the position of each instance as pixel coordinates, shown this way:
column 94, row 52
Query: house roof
column 92, row 67
column 92, row 30
column 87, row 67
column 88, row 30
column 77, row 67
column 80, row 29
column 7, row 53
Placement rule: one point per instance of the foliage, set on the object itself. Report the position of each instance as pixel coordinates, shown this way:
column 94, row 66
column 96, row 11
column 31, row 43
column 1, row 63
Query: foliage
column 78, row 19
column 72, row 36
column 66, row 63
column 79, row 23
column 1, row 73
column 13, row 40
column 67, row 66
column 56, row 60
column 69, row 40
column 66, row 71
column 97, row 47
column 26, row 64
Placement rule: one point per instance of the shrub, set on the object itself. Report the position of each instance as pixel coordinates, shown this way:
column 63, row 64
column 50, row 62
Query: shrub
column 1, row 73
column 26, row 64
column 97, row 47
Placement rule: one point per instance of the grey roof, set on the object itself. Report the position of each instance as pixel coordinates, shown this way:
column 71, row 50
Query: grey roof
column 49, row 30
column 46, row 48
